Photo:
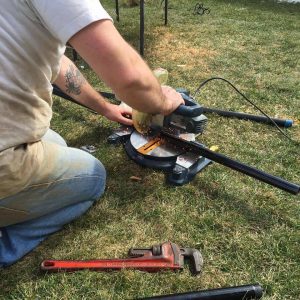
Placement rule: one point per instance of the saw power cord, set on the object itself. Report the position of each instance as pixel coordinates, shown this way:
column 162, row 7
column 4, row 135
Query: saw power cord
column 248, row 100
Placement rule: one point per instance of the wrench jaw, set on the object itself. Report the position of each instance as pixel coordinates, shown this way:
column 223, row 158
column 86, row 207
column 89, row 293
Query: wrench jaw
column 195, row 258
column 165, row 256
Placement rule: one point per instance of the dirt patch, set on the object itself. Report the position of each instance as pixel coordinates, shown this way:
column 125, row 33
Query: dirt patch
column 172, row 47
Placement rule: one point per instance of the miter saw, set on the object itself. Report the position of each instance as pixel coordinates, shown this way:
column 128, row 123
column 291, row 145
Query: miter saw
column 155, row 147
column 170, row 145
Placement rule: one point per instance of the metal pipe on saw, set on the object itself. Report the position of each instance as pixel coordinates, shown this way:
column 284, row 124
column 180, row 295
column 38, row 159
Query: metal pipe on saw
column 216, row 157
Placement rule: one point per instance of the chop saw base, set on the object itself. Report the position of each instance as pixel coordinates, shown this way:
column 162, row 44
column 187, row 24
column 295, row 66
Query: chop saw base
column 180, row 165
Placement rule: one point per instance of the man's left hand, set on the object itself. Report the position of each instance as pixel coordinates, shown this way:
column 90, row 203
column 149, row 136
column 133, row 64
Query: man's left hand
column 118, row 113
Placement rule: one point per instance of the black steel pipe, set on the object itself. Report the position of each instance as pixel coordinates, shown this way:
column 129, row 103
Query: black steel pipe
column 238, row 166
column 251, row 171
column 58, row 92
column 243, row 292
column 261, row 119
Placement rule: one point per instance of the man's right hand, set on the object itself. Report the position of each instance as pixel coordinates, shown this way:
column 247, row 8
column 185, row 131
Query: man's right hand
column 172, row 100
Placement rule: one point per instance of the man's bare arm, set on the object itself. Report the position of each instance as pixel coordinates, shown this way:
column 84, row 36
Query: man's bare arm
column 121, row 68
column 71, row 81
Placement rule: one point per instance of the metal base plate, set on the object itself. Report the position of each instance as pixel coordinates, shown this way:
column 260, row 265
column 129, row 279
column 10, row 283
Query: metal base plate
column 181, row 166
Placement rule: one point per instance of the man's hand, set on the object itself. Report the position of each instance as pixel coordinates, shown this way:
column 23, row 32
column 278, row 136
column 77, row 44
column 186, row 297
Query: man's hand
column 118, row 113
column 172, row 100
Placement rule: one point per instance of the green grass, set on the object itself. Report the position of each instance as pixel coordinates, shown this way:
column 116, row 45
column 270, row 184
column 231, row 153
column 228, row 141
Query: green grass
column 247, row 231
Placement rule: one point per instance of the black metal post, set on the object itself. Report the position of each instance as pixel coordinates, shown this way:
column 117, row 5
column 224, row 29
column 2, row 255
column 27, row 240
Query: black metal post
column 166, row 12
column 117, row 10
column 142, row 26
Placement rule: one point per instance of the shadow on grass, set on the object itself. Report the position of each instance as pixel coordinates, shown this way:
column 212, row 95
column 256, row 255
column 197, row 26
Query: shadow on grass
column 96, row 135
column 259, row 218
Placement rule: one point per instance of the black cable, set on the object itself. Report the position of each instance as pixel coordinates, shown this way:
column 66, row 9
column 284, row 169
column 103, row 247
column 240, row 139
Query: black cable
column 248, row 100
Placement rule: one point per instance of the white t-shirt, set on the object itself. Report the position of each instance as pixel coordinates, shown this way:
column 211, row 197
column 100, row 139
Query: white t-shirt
column 33, row 34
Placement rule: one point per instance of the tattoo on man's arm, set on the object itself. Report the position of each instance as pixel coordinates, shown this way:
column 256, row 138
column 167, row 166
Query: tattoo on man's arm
column 74, row 80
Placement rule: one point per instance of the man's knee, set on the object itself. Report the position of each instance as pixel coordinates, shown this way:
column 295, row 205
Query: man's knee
column 91, row 172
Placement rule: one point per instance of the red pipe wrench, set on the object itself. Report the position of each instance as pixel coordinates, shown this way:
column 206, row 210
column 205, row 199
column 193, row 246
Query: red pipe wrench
column 166, row 256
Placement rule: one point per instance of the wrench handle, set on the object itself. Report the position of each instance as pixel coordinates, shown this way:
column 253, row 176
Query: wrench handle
column 149, row 265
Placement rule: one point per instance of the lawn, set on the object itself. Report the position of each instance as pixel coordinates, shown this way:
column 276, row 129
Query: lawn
column 247, row 231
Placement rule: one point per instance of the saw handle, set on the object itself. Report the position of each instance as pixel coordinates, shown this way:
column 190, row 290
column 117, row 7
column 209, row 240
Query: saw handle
column 190, row 108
